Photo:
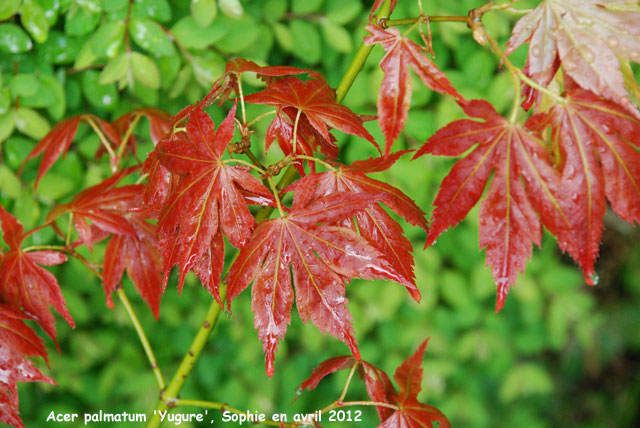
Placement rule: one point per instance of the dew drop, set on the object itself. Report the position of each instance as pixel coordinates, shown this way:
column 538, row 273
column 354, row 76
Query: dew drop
column 536, row 51
column 569, row 65
column 574, row 197
column 569, row 171
column 588, row 55
column 595, row 278
column 613, row 41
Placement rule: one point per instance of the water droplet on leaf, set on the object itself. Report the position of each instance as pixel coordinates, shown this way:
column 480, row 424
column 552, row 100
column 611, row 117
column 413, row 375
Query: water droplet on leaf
column 595, row 278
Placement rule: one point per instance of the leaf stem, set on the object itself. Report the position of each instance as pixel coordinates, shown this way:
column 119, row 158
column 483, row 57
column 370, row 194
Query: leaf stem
column 361, row 57
column 260, row 117
column 244, row 113
column 67, row 239
column 409, row 21
column 103, row 140
column 142, row 336
column 43, row 247
column 346, row 385
column 127, row 135
column 316, row 160
column 295, row 131
column 275, row 195
column 169, row 397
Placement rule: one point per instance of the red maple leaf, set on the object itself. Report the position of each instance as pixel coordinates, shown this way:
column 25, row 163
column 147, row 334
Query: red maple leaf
column 587, row 38
column 159, row 126
column 411, row 413
column 24, row 284
column 209, row 201
column 315, row 101
column 15, row 368
column 508, row 220
column 57, row 142
column 373, row 222
column 378, row 3
column 598, row 144
column 394, row 96
column 241, row 65
column 322, row 259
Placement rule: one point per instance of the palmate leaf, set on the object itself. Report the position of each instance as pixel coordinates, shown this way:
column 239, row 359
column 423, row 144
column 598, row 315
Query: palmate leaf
column 315, row 100
column 598, row 143
column 373, row 222
column 25, row 284
column 133, row 246
column 394, row 96
column 588, row 37
column 508, row 221
column 322, row 259
column 210, row 200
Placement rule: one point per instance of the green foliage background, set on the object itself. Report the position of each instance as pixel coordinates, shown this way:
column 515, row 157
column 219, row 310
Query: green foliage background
column 559, row 354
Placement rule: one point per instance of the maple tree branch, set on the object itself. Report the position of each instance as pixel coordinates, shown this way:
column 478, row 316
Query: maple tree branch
column 142, row 336
column 225, row 407
column 169, row 397
column 361, row 57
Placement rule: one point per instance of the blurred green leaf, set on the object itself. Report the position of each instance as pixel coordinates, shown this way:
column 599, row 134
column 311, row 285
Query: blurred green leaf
column 204, row 12
column 191, row 36
column 59, row 48
column 283, row 36
column 306, row 41
column 80, row 21
column 13, row 39
column 9, row 183
column 243, row 32
column 149, row 35
column 159, row 10
column 342, row 11
column 337, row 37
column 274, row 10
column 208, row 69
column 106, row 41
column 8, row 8
column 31, row 123
column 7, row 123
column 34, row 20
column 524, row 380
column 104, row 97
column 24, row 85
column 145, row 70
column 181, row 81
column 231, row 8
column 116, row 69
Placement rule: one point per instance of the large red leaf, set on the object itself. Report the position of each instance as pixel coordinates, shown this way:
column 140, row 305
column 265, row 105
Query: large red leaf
column 14, row 368
column 316, row 101
column 15, row 335
column 322, row 258
column 394, row 96
column 57, row 142
column 209, row 200
column 373, row 222
column 24, row 284
column 508, row 221
column 411, row 413
column 598, row 143
column 587, row 38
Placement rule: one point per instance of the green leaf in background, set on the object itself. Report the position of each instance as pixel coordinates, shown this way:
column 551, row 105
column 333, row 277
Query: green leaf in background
column 13, row 39
column 7, row 124
column 48, row 93
column 181, row 81
column 274, row 10
column 337, row 37
column 160, row 10
column 115, row 70
column 524, row 380
column 34, row 20
column 31, row 123
column 103, row 97
column 304, row 7
column 80, row 21
column 145, row 70
column 106, row 41
column 243, row 33
column 208, row 68
column 149, row 35
column 192, row 36
column 342, row 11
column 8, row 8
column 9, row 183
column 306, row 41
column 204, row 12
column 5, row 100
column 24, row 85
column 58, row 108
column 85, row 57
column 59, row 48
column 114, row 5
column 231, row 8
column 283, row 36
